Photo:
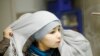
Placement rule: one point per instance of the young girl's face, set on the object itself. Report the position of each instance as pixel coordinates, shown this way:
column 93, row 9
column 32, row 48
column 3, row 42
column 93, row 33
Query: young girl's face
column 52, row 39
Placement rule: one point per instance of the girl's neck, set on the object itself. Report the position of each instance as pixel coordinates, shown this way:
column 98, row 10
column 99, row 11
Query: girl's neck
column 42, row 47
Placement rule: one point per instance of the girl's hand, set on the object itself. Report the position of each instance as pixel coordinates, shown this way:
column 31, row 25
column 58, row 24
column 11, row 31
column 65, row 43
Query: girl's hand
column 7, row 33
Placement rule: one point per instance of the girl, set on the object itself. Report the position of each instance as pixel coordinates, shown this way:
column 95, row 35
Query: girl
column 41, row 34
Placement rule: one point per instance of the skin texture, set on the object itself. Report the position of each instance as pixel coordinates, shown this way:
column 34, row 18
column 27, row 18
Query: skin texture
column 50, row 40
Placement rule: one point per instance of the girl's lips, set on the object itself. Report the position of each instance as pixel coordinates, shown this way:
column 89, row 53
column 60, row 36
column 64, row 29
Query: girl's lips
column 58, row 41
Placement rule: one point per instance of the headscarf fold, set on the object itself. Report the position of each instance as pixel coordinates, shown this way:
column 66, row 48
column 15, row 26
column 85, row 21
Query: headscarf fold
column 74, row 44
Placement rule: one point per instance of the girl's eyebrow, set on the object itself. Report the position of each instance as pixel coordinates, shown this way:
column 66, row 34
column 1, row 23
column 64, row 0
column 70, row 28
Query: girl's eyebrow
column 57, row 27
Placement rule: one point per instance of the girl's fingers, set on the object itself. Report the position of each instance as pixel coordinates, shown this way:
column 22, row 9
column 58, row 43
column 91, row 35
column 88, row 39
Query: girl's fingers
column 8, row 33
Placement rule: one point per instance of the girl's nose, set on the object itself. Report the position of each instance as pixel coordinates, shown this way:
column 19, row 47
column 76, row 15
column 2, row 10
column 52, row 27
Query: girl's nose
column 58, row 34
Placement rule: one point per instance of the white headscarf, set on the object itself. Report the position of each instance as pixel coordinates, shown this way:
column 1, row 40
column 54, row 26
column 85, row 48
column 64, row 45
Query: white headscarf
column 25, row 26
column 72, row 44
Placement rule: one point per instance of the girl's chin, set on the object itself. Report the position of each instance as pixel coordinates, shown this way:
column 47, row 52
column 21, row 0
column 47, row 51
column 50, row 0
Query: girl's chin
column 56, row 46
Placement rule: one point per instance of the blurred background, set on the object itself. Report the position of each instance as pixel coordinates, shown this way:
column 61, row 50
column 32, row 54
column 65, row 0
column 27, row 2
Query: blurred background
column 79, row 15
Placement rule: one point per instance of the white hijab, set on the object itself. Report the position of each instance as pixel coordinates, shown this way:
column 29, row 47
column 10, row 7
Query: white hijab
column 72, row 44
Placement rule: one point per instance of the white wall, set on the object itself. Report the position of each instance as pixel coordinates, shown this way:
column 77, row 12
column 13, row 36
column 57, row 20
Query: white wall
column 92, row 24
column 10, row 8
column 5, row 15
column 29, row 5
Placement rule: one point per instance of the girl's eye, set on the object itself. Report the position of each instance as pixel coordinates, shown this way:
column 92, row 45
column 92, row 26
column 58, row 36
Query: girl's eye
column 59, row 29
column 52, row 32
